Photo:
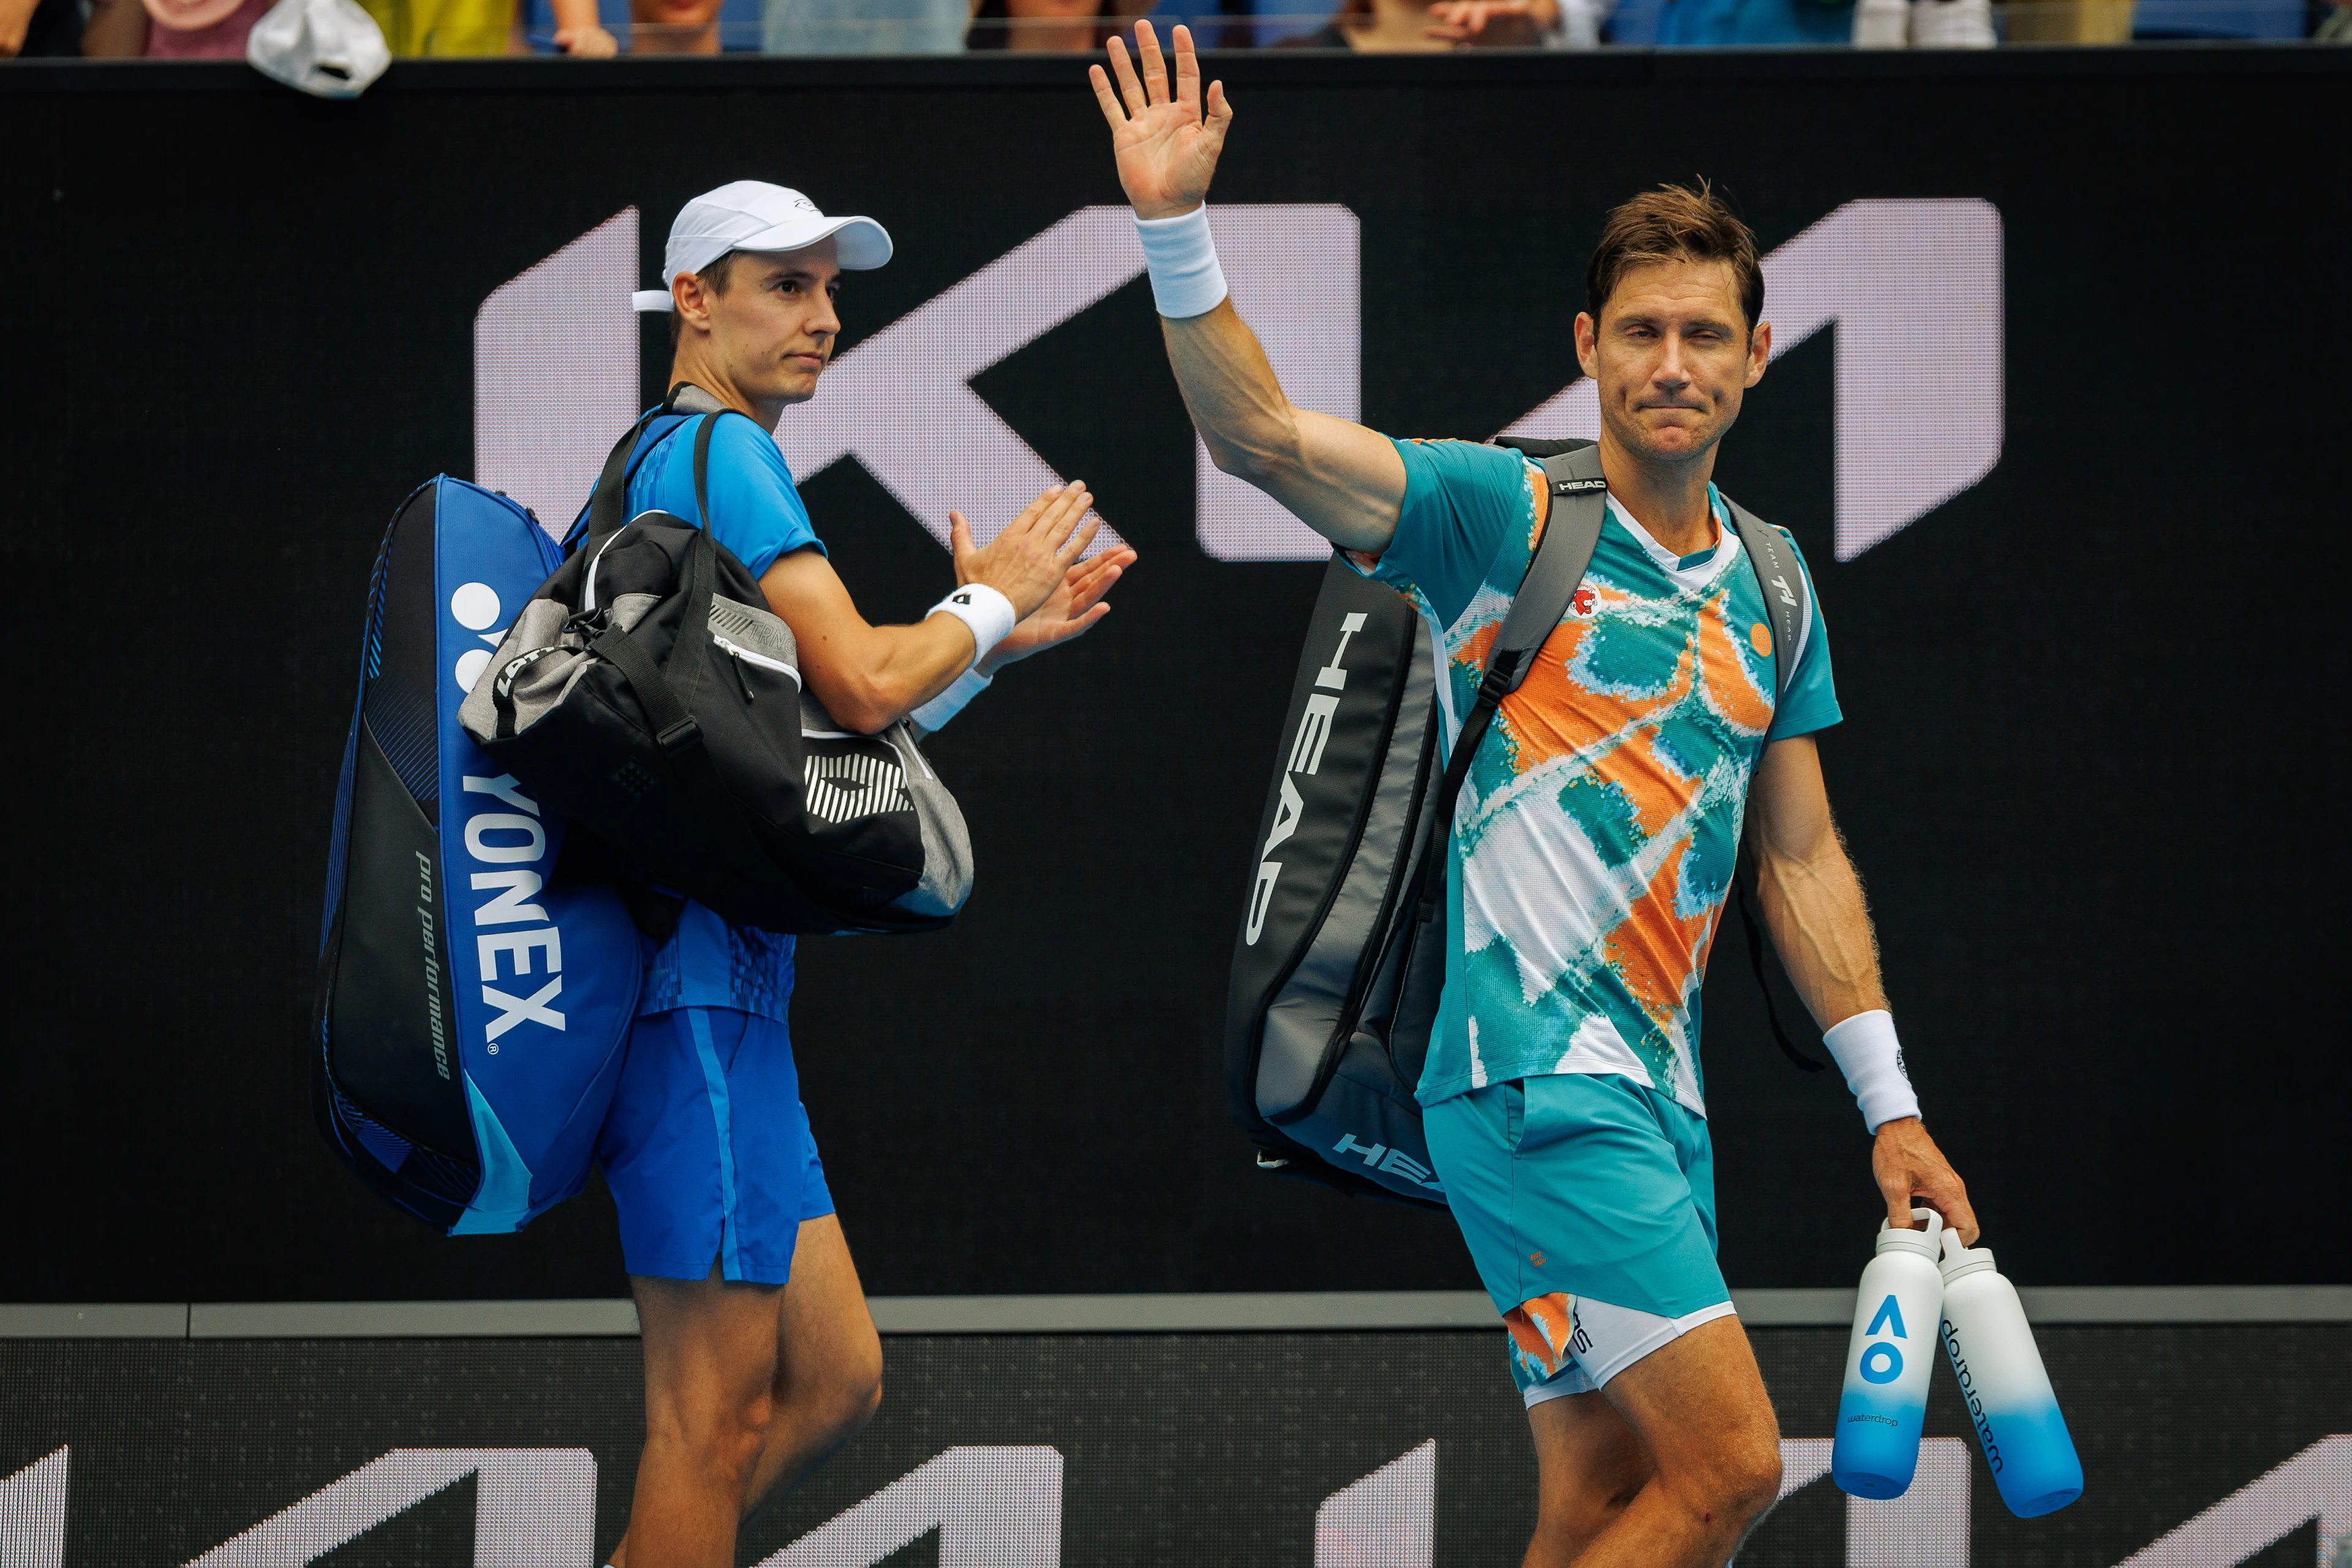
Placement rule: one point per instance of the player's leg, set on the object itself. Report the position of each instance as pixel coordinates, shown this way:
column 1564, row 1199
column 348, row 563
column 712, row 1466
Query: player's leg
column 1698, row 1403
column 1687, row 1387
column 1587, row 1203
column 710, row 1368
column 1590, row 1464
column 828, row 1380
column 708, row 1154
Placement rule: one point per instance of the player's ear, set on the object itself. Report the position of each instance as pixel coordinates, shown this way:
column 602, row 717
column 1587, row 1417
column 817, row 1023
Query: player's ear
column 1587, row 333
column 691, row 300
column 1759, row 351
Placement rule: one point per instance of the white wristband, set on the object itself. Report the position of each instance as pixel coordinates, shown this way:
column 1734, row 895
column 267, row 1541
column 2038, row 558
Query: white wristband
column 933, row 716
column 1183, row 257
column 1872, row 1059
column 988, row 612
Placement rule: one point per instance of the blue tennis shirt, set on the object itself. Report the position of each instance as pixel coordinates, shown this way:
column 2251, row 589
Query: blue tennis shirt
column 756, row 512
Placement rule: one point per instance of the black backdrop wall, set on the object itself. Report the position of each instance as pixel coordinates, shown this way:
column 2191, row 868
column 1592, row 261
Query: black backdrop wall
column 2090, row 763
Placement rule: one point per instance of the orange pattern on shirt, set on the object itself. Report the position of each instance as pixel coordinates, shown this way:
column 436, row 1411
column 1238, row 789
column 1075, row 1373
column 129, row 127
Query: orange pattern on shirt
column 1729, row 689
column 1656, row 951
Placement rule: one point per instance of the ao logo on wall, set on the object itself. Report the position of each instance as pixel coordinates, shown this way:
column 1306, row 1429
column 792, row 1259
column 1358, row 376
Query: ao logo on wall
column 1913, row 287
column 1002, row 1508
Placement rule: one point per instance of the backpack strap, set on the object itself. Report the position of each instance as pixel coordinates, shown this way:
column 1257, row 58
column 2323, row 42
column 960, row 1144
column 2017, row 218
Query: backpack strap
column 608, row 504
column 1579, row 505
column 1788, row 598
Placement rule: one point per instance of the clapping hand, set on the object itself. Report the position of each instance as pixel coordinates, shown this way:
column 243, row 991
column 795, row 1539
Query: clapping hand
column 1072, row 611
column 1030, row 560
column 1166, row 145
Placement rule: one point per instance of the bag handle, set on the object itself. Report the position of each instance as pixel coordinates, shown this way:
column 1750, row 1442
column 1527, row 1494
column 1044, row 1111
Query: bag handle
column 1580, row 503
column 669, row 709
column 609, row 502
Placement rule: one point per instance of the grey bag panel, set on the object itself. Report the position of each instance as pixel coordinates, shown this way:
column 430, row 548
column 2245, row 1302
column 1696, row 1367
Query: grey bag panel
column 541, row 625
column 753, row 627
column 1301, row 1024
column 947, row 842
column 948, row 867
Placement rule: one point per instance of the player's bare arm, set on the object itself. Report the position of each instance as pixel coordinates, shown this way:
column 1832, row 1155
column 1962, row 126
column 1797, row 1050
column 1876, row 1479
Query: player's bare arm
column 869, row 677
column 1342, row 480
column 1813, row 906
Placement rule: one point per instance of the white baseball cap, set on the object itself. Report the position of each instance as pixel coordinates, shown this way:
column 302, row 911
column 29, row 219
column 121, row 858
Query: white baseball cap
column 329, row 48
column 752, row 215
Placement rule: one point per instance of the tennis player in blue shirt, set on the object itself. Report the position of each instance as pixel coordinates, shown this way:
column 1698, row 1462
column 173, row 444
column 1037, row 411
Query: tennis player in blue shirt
column 760, row 1357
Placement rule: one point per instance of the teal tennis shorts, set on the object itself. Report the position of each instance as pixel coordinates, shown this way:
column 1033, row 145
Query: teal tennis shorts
column 1588, row 1203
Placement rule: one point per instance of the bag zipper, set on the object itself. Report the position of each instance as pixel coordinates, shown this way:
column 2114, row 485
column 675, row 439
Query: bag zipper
column 743, row 656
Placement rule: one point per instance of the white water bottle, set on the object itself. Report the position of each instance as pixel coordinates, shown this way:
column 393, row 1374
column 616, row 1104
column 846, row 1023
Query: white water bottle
column 2004, row 1387
column 1888, row 1361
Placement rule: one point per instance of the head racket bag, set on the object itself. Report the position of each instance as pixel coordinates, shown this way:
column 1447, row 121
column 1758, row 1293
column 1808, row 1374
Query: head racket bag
column 1340, row 957
column 476, row 984
column 648, row 691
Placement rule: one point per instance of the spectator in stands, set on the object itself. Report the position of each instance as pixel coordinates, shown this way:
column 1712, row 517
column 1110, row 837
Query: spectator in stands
column 442, row 27
column 862, row 27
column 1049, row 27
column 34, row 28
column 1747, row 23
column 1421, row 26
column 674, row 26
column 171, row 29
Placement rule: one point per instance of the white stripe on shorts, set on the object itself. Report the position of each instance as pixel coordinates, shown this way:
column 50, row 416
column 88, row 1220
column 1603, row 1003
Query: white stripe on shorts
column 1619, row 1336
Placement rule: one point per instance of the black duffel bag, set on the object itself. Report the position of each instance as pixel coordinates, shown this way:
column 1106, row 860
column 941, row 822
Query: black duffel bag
column 648, row 693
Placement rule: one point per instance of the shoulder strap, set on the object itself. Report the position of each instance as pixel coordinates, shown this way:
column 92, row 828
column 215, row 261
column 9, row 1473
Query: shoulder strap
column 1786, row 596
column 1785, row 590
column 1579, row 505
column 687, row 654
column 608, row 504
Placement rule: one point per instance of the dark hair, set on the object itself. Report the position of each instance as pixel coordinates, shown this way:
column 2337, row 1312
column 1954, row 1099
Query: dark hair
column 714, row 278
column 1675, row 222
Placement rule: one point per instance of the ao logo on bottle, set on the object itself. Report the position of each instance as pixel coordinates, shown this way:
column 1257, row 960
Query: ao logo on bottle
column 1882, row 1361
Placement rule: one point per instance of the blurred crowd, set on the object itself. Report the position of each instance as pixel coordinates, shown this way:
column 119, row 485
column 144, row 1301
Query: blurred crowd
column 196, row 29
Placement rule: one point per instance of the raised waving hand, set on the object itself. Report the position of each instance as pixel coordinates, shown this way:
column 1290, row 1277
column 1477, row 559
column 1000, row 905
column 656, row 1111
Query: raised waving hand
column 1167, row 147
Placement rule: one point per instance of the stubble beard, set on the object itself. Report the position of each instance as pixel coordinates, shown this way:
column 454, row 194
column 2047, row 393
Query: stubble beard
column 1641, row 441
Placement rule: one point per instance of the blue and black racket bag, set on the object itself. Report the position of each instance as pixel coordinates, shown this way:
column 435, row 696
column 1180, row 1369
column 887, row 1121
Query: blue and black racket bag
column 476, row 984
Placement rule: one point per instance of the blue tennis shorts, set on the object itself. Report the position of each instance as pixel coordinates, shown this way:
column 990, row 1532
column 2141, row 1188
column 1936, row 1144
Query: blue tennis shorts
column 1588, row 1202
column 707, row 1148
